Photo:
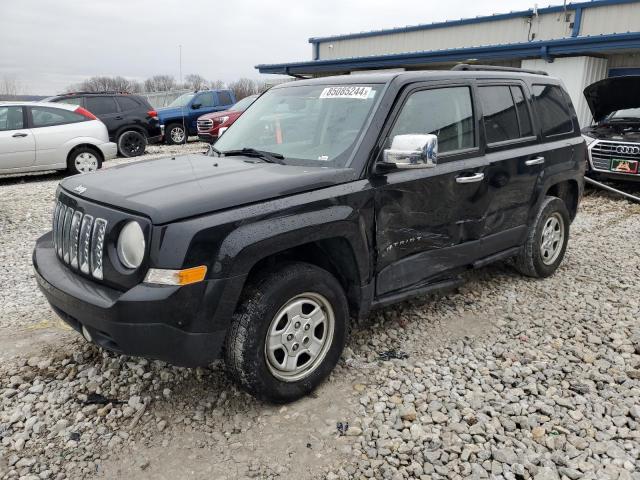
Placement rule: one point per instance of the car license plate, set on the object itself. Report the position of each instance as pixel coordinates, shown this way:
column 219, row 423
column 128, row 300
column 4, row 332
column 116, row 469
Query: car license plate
column 624, row 166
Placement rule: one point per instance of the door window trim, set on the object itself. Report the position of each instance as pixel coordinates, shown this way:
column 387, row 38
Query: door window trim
column 399, row 104
column 526, row 94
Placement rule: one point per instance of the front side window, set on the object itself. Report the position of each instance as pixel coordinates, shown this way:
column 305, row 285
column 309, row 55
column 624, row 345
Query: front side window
column 314, row 125
column 48, row 117
column 11, row 118
column 182, row 100
column 205, row 100
column 101, row 105
column 552, row 109
column 445, row 112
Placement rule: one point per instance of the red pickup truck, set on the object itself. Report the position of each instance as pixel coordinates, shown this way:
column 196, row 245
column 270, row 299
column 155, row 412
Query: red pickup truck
column 212, row 125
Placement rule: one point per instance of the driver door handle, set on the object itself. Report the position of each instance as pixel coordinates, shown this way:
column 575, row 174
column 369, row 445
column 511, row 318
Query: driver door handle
column 534, row 161
column 19, row 134
column 478, row 177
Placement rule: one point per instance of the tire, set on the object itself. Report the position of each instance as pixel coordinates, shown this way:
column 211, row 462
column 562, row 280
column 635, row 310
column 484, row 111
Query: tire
column 540, row 260
column 84, row 160
column 267, row 306
column 131, row 143
column 175, row 134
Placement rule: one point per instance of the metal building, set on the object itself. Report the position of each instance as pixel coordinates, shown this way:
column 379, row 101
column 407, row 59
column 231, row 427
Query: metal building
column 579, row 42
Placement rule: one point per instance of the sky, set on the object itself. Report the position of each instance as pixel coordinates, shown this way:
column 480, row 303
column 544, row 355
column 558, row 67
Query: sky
column 47, row 45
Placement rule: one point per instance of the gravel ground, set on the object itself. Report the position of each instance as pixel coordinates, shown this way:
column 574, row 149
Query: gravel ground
column 505, row 378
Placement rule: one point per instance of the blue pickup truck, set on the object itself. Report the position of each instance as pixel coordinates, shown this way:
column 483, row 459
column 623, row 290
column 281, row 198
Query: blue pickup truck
column 184, row 111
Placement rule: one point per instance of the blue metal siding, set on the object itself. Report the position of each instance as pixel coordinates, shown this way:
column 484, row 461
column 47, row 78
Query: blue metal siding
column 621, row 72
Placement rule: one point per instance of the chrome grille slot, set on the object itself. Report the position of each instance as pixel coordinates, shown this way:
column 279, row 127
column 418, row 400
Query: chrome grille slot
column 603, row 151
column 205, row 124
column 84, row 246
column 79, row 239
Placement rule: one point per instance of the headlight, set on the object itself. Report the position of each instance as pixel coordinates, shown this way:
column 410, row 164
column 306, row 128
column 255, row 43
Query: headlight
column 220, row 120
column 588, row 139
column 131, row 245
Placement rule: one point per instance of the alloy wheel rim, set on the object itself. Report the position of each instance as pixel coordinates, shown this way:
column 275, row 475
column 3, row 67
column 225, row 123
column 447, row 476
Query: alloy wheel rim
column 299, row 337
column 177, row 134
column 86, row 162
column 132, row 143
column 552, row 239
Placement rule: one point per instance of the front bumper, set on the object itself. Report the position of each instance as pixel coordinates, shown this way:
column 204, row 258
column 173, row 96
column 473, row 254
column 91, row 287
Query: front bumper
column 185, row 326
column 207, row 137
column 109, row 150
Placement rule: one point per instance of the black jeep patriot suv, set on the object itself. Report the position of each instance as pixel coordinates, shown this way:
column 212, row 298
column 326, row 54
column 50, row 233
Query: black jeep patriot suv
column 327, row 198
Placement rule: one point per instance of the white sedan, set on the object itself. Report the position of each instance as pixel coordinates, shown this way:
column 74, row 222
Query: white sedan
column 51, row 136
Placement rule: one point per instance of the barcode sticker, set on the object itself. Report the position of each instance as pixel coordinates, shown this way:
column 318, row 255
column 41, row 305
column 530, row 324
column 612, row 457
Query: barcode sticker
column 348, row 91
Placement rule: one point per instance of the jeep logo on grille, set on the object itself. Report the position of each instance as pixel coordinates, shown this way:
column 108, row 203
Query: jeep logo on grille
column 628, row 149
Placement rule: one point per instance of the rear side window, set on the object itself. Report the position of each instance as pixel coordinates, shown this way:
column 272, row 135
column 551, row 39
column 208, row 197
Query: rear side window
column 126, row 104
column 502, row 120
column 48, row 117
column 445, row 112
column 224, row 98
column 11, row 118
column 101, row 105
column 553, row 110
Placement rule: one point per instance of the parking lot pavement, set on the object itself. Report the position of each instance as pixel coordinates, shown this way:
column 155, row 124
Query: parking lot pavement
column 506, row 377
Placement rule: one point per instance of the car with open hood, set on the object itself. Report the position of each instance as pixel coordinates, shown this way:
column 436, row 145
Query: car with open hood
column 614, row 137
column 326, row 199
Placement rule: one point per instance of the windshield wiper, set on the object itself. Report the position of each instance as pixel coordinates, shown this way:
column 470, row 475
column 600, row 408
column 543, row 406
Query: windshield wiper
column 269, row 157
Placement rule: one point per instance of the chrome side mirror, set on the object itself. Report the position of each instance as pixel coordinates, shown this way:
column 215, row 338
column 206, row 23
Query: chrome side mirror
column 412, row 151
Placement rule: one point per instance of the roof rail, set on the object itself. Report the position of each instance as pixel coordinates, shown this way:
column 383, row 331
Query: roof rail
column 493, row 68
column 103, row 92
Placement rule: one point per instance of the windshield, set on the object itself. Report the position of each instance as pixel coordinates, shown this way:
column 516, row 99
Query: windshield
column 633, row 113
column 243, row 104
column 182, row 100
column 314, row 125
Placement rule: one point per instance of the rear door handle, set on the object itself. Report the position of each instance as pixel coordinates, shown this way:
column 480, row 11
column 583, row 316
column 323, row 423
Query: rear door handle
column 478, row 177
column 118, row 117
column 19, row 134
column 534, row 161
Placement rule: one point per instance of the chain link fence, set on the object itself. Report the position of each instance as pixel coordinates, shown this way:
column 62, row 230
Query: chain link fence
column 163, row 99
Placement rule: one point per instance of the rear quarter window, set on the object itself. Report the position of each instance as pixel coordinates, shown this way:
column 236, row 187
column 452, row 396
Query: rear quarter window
column 553, row 110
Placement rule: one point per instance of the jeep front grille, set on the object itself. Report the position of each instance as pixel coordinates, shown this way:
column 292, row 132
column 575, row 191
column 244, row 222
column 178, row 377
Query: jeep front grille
column 205, row 125
column 603, row 151
column 79, row 239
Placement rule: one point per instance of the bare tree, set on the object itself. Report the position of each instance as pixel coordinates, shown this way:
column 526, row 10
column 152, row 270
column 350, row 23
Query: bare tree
column 217, row 85
column 9, row 85
column 243, row 87
column 102, row 83
column 195, row 81
column 160, row 83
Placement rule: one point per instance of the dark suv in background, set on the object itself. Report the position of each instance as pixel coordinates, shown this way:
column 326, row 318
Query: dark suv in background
column 324, row 200
column 131, row 121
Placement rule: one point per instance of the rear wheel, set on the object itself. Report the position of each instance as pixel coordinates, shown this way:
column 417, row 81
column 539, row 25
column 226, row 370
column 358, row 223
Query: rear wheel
column 83, row 160
column 547, row 240
column 131, row 143
column 176, row 134
column 288, row 333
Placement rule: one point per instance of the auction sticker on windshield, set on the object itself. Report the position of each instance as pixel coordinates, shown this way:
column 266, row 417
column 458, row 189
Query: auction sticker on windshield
column 349, row 91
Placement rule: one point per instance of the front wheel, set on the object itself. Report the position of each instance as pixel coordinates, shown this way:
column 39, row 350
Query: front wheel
column 176, row 134
column 83, row 160
column 288, row 333
column 547, row 240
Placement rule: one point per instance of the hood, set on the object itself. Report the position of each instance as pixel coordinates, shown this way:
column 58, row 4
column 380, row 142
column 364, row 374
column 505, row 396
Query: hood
column 211, row 116
column 170, row 189
column 167, row 112
column 611, row 94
